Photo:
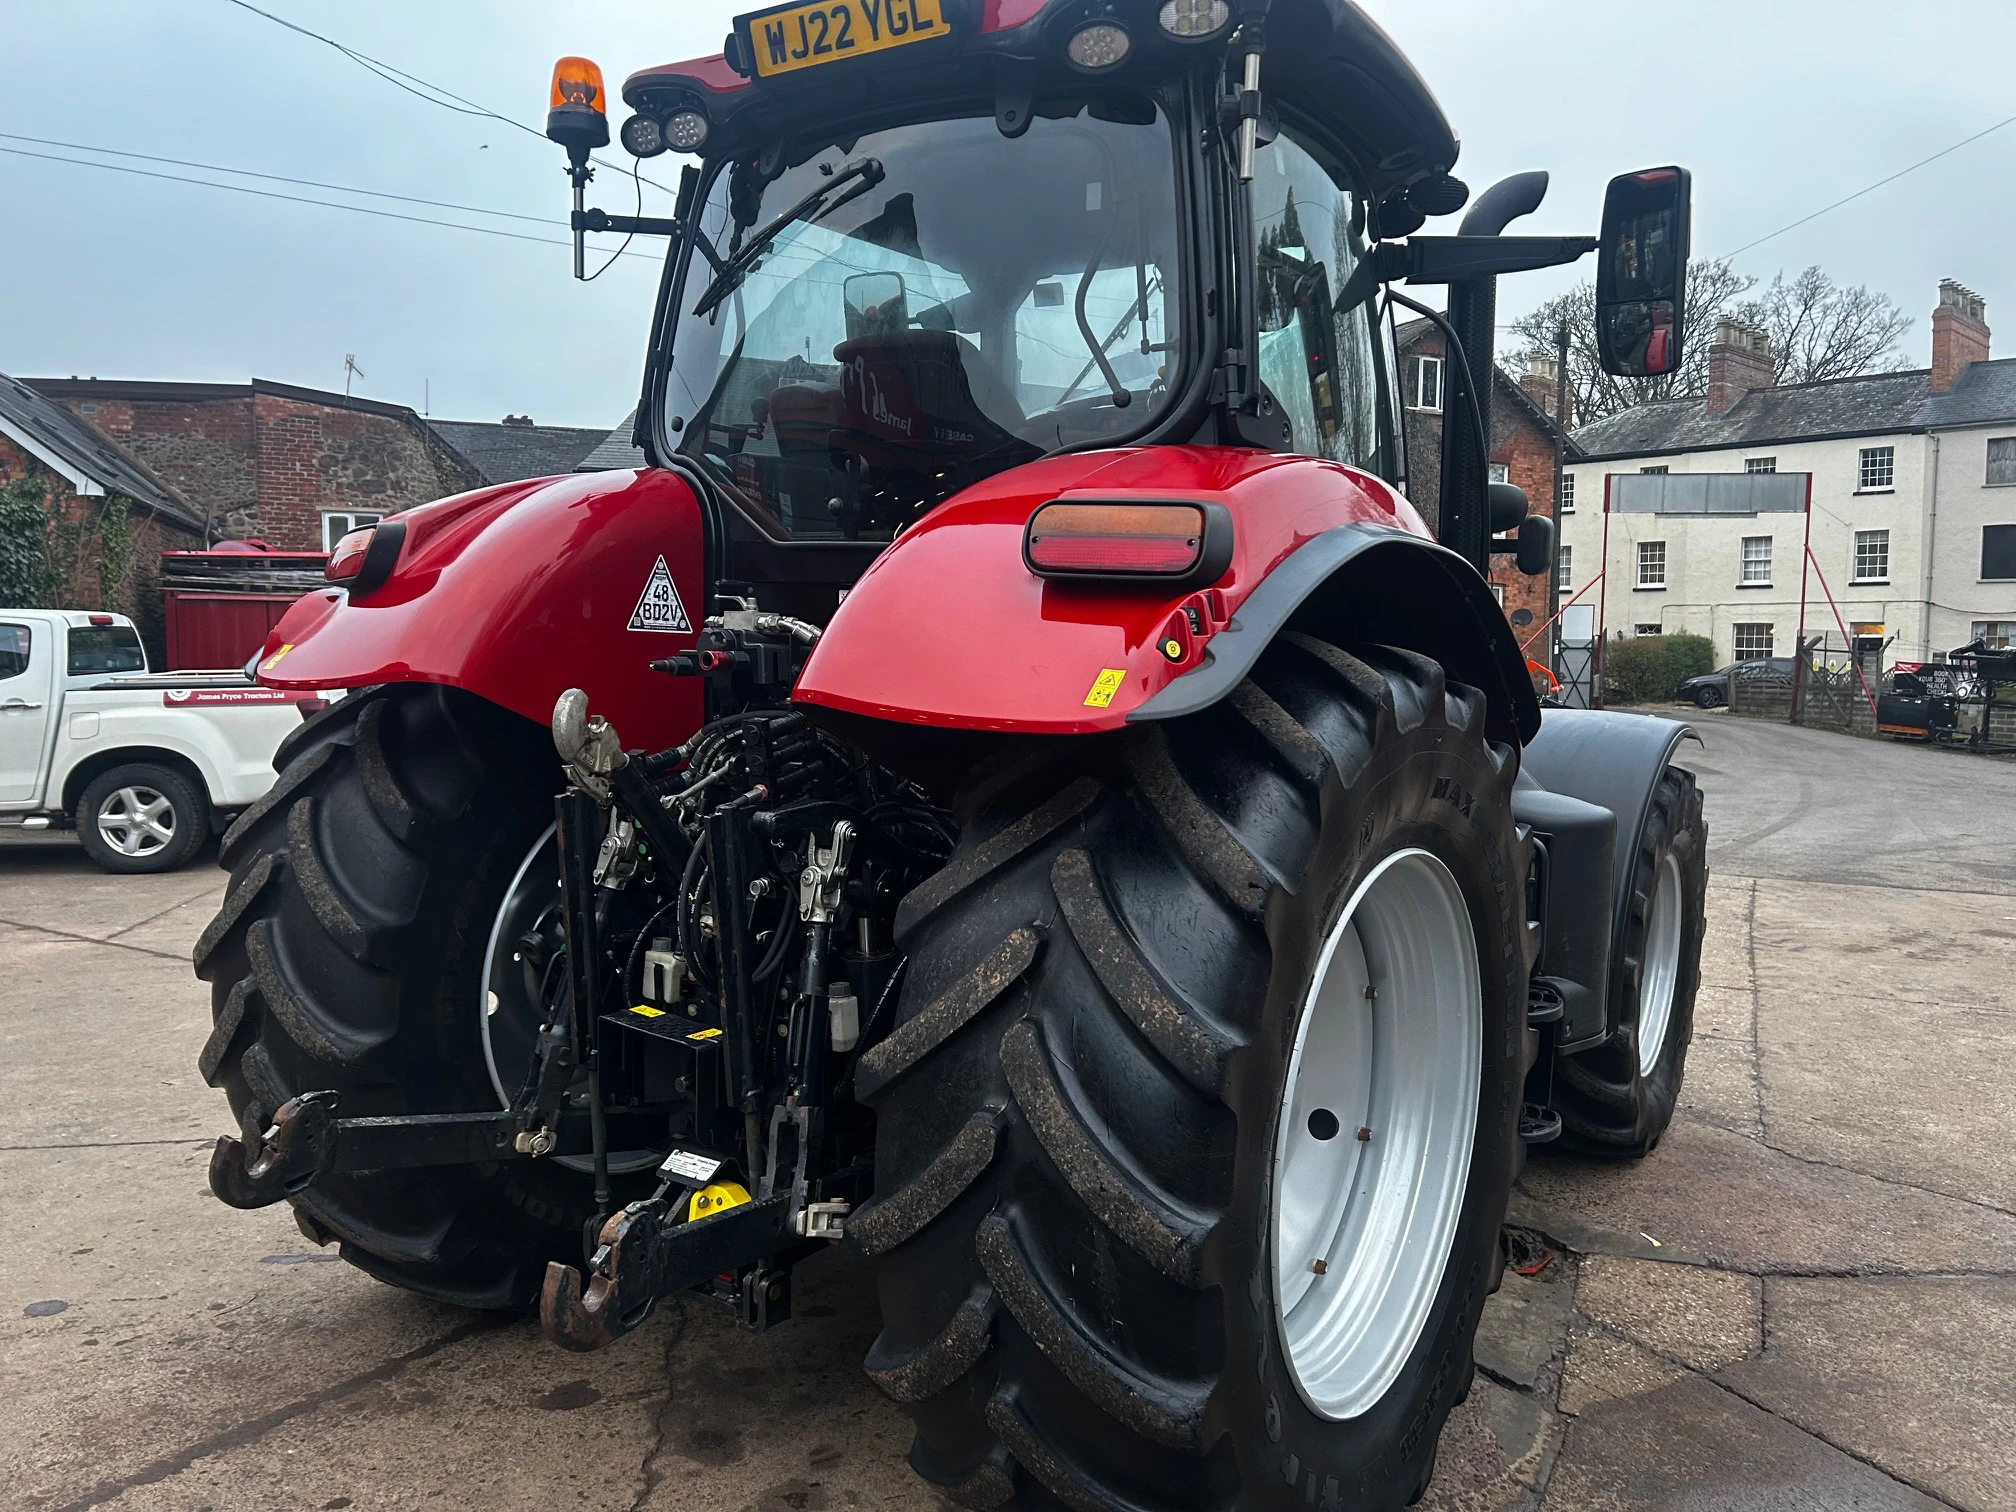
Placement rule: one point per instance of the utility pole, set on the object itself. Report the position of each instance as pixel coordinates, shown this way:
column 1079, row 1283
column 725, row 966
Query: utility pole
column 1560, row 464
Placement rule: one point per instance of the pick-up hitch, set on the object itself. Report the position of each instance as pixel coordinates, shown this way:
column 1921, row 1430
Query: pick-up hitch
column 644, row 1253
column 307, row 1142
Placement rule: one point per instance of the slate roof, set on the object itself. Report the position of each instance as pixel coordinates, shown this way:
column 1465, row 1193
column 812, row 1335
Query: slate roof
column 1873, row 405
column 46, row 427
column 616, row 450
column 508, row 453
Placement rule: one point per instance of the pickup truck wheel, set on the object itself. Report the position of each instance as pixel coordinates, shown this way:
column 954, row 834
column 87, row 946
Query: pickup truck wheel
column 142, row 818
column 1616, row 1100
column 350, row 954
column 1198, row 1120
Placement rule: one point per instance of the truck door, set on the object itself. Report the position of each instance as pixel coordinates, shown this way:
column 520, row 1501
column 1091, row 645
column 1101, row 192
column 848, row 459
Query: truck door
column 27, row 659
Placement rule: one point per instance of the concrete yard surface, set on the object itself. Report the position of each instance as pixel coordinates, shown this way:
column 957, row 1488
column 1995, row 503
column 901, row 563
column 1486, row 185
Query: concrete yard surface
column 1804, row 1299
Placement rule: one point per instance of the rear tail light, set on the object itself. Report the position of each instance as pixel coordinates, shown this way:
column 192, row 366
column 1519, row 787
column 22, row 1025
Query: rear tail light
column 347, row 560
column 100, row 619
column 364, row 558
column 1170, row 544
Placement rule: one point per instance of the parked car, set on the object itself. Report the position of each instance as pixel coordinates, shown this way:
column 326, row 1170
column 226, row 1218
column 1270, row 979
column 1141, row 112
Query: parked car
column 141, row 763
column 1711, row 689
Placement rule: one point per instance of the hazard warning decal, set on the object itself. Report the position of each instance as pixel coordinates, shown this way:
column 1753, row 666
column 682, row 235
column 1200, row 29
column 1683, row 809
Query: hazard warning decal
column 658, row 608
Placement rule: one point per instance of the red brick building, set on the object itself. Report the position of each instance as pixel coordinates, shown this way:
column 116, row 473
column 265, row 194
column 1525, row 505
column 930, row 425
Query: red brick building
column 1523, row 435
column 110, row 516
column 292, row 466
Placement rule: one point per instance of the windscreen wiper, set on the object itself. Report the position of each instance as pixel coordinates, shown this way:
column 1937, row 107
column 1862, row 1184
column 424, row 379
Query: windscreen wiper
column 868, row 171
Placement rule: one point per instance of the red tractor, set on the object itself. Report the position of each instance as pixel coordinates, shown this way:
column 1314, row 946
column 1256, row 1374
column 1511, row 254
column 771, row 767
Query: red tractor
column 1014, row 785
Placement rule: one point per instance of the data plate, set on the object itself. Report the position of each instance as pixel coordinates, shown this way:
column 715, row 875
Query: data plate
column 687, row 1166
column 792, row 37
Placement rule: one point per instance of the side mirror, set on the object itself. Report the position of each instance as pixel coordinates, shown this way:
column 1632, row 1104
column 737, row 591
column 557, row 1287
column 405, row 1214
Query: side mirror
column 1535, row 554
column 877, row 305
column 1641, row 274
column 1507, row 505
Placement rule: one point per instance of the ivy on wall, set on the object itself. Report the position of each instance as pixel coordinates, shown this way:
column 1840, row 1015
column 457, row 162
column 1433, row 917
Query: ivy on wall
column 63, row 553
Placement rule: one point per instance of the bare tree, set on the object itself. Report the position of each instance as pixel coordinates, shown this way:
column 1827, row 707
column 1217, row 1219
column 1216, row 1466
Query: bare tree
column 1820, row 330
column 1712, row 291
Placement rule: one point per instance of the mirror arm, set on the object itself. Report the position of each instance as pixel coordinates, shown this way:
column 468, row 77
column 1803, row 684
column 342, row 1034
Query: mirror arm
column 626, row 225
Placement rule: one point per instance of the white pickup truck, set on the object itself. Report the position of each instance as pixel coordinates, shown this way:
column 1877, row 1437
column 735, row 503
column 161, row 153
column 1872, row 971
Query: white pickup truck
column 141, row 763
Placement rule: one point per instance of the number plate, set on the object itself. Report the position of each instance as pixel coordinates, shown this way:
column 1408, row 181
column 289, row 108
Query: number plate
column 792, row 37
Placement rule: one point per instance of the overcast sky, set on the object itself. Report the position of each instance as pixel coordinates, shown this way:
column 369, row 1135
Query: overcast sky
column 1778, row 106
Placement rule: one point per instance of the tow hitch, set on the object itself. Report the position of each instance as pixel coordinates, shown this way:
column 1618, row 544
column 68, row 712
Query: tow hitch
column 307, row 1142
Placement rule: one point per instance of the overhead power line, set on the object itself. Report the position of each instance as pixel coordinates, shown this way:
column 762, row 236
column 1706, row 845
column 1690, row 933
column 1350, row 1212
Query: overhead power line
column 418, row 87
column 1869, row 189
column 297, row 199
column 278, row 178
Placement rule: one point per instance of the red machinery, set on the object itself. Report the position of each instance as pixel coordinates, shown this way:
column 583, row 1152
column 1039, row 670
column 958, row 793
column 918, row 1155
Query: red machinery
column 1013, row 784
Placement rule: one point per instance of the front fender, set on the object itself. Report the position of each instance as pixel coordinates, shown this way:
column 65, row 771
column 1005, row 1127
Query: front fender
column 517, row 593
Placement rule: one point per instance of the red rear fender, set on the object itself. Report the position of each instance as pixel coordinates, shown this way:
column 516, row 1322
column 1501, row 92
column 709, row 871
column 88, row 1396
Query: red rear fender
column 517, row 593
column 950, row 628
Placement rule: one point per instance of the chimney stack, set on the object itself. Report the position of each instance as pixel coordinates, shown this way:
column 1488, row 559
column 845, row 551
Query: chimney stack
column 1541, row 383
column 1959, row 333
column 1738, row 361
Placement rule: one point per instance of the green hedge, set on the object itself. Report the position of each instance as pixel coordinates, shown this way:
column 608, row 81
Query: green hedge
column 1647, row 668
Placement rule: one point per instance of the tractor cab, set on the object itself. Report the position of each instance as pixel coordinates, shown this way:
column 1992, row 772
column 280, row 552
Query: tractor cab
column 929, row 240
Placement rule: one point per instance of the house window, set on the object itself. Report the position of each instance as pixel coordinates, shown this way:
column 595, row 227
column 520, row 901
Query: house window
column 1872, row 556
column 1998, row 553
column 1651, row 564
column 1564, row 568
column 339, row 523
column 1878, row 468
column 1756, row 562
column 1426, row 392
column 1652, row 469
column 1753, row 642
column 1647, row 630
column 1760, row 464
column 1567, row 493
column 1996, row 635
column 2002, row 461
column 1501, row 473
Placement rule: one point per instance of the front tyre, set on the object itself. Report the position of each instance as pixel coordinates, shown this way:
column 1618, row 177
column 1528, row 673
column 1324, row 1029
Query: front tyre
column 1198, row 1121
column 1616, row 1100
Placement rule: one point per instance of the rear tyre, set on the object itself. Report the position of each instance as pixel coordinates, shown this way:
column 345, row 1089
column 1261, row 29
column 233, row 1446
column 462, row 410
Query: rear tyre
column 142, row 818
column 1119, row 1113
column 350, row 953
column 1616, row 1100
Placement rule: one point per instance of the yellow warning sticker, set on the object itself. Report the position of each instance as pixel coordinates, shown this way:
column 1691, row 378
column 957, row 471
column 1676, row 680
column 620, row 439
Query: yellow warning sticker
column 1104, row 686
column 648, row 1012
column 274, row 660
column 704, row 1034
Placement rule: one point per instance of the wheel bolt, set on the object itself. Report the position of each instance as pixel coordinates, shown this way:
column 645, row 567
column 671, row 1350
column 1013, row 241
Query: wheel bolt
column 1364, row 1135
column 1321, row 1267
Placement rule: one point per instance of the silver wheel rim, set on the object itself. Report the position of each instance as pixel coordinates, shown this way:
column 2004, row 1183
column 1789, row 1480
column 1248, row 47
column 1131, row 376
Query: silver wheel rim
column 136, row 820
column 505, row 995
column 1362, row 1228
column 1661, row 970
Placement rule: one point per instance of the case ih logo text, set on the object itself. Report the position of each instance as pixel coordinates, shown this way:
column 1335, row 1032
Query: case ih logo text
column 658, row 607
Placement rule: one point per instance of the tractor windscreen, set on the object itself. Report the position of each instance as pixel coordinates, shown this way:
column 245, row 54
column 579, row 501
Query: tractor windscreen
column 914, row 309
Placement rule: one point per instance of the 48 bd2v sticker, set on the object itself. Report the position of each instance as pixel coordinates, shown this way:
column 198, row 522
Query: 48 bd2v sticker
column 658, row 607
